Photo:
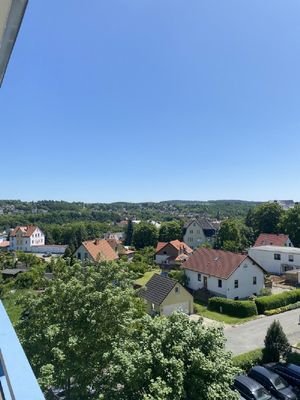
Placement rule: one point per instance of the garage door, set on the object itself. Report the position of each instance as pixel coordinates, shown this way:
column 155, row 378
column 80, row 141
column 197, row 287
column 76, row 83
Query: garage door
column 182, row 307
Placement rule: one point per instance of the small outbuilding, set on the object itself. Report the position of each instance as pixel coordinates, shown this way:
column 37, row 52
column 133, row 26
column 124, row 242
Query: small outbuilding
column 164, row 295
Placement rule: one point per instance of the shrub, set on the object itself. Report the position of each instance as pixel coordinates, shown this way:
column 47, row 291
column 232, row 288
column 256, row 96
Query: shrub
column 293, row 358
column 283, row 309
column 265, row 292
column 236, row 308
column 277, row 346
column 277, row 300
column 247, row 360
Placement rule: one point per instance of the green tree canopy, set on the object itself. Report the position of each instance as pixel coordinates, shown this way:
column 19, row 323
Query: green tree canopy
column 265, row 218
column 170, row 359
column 129, row 233
column 170, row 231
column 290, row 224
column 68, row 330
column 277, row 346
column 144, row 234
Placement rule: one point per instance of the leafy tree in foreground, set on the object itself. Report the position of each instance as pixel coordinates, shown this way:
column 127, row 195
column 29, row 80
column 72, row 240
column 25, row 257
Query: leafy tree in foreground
column 170, row 359
column 70, row 327
column 276, row 343
column 144, row 234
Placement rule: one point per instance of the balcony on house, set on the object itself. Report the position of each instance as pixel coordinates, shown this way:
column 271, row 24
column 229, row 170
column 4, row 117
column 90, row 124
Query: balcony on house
column 17, row 380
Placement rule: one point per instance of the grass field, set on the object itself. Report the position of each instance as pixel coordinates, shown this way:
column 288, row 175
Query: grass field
column 202, row 310
column 147, row 275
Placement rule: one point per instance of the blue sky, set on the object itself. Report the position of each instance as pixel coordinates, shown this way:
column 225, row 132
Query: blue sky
column 147, row 100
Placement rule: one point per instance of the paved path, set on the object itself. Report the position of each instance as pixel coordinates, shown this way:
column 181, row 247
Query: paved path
column 251, row 335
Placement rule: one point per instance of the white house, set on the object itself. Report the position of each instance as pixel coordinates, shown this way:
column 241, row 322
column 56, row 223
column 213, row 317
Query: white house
column 24, row 238
column 199, row 231
column 276, row 259
column 225, row 274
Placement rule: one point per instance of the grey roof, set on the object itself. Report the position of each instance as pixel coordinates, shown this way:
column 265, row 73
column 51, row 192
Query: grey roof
column 203, row 222
column 157, row 289
column 12, row 271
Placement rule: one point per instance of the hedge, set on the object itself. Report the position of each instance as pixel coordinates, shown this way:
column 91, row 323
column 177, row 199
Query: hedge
column 277, row 300
column 235, row 308
column 247, row 360
column 283, row 309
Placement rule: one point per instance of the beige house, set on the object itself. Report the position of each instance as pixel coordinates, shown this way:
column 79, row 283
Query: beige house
column 164, row 295
column 199, row 231
column 96, row 251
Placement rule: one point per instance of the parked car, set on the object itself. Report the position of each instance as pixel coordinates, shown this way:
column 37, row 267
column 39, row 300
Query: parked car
column 251, row 389
column 274, row 383
column 290, row 372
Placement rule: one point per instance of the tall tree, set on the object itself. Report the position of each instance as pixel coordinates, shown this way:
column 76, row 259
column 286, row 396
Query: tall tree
column 276, row 343
column 265, row 218
column 290, row 224
column 129, row 233
column 170, row 359
column 228, row 237
column 69, row 328
column 170, row 231
column 144, row 234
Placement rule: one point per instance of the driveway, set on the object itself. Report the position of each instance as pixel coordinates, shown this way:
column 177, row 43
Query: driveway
column 251, row 335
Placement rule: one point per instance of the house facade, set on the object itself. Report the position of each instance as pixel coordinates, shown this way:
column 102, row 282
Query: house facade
column 222, row 273
column 276, row 259
column 172, row 253
column 199, row 231
column 164, row 296
column 24, row 238
column 273, row 239
column 96, row 251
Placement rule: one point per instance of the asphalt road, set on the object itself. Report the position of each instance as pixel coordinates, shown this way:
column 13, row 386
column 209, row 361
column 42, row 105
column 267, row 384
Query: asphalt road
column 251, row 335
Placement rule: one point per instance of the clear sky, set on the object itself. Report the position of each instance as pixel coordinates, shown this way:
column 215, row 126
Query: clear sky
column 146, row 100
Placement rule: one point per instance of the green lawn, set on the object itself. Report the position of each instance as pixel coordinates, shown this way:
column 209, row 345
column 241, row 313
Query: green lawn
column 147, row 275
column 13, row 309
column 202, row 310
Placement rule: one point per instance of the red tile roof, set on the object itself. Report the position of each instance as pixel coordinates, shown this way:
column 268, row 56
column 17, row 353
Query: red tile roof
column 100, row 250
column 27, row 231
column 218, row 263
column 271, row 239
column 175, row 243
column 4, row 244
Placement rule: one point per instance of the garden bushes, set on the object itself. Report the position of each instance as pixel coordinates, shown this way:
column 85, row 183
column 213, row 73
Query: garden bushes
column 283, row 309
column 247, row 360
column 236, row 308
column 277, row 300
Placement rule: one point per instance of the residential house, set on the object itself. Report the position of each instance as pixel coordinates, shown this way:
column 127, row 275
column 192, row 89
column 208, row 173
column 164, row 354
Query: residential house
column 172, row 253
column 222, row 273
column 24, row 238
column 164, row 295
column 199, row 231
column 276, row 259
column 96, row 250
column 273, row 239
column 121, row 250
column 118, row 236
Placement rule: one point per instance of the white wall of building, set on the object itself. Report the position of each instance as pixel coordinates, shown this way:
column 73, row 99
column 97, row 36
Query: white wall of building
column 21, row 243
column 244, row 274
column 275, row 259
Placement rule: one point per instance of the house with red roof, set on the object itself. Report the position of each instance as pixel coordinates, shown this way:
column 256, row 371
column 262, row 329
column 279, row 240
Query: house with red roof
column 273, row 239
column 96, row 251
column 222, row 273
column 172, row 253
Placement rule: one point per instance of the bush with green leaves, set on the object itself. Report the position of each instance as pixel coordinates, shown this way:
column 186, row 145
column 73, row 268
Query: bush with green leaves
column 283, row 309
column 236, row 308
column 247, row 360
column 277, row 300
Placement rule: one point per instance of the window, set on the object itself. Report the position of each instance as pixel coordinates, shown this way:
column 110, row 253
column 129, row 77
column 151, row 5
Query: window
column 277, row 256
column 236, row 284
column 177, row 290
column 79, row 256
column 220, row 283
column 236, row 298
column 194, row 224
column 191, row 239
column 254, row 280
column 199, row 277
column 291, row 258
column 165, row 252
column 191, row 231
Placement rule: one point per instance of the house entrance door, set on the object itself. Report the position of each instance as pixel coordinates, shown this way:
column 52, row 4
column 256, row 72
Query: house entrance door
column 205, row 282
